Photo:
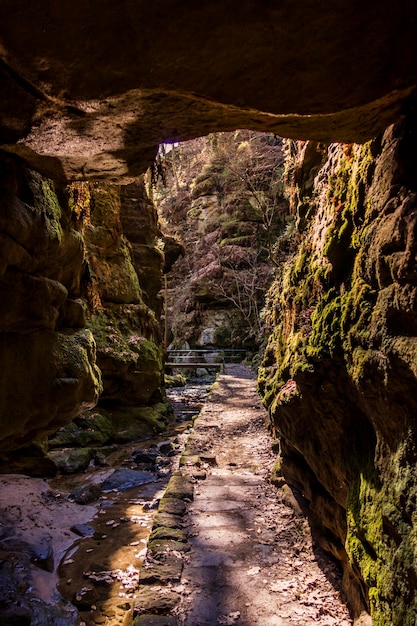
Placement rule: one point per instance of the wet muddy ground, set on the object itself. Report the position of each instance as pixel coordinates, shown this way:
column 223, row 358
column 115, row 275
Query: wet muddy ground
column 100, row 575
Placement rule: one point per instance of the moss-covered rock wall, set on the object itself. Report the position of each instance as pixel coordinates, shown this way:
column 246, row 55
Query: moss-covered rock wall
column 124, row 266
column 79, row 323
column 339, row 372
column 48, row 371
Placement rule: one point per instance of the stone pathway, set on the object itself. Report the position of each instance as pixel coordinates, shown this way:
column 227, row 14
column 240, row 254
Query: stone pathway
column 242, row 553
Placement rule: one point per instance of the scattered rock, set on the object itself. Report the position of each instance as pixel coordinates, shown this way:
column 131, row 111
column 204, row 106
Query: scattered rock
column 123, row 479
column 180, row 487
column 164, row 570
column 164, row 532
column 209, row 459
column 83, row 530
column 167, row 545
column 167, row 520
column 85, row 598
column 148, row 456
column 188, row 459
column 43, row 614
column 167, row 448
column 44, row 556
column 156, row 601
column 85, row 494
column 71, row 460
column 198, row 475
column 172, row 506
column 228, row 620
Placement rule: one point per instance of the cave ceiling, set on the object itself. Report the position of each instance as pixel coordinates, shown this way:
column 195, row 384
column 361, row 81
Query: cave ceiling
column 89, row 88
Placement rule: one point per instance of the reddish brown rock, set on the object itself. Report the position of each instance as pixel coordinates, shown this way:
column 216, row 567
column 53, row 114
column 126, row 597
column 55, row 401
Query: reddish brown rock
column 48, row 371
column 89, row 91
column 339, row 374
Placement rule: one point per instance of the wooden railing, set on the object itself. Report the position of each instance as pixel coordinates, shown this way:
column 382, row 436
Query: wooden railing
column 209, row 359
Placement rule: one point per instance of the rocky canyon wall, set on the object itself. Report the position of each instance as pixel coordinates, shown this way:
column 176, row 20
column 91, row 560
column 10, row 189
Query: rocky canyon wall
column 121, row 231
column 90, row 90
column 339, row 373
column 48, row 359
column 78, row 319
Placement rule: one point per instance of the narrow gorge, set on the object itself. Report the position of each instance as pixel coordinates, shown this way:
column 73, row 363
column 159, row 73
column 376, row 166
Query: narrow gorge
column 236, row 176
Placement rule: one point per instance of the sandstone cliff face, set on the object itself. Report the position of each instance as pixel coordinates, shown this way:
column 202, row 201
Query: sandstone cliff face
column 74, row 324
column 339, row 373
column 122, row 274
column 90, row 90
column 48, row 371
column 223, row 199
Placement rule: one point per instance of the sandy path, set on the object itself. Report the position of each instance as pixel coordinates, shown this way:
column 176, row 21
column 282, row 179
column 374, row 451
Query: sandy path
column 252, row 559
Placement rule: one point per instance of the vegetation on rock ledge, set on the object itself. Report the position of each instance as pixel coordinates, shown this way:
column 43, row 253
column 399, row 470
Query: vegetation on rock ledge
column 340, row 357
column 224, row 200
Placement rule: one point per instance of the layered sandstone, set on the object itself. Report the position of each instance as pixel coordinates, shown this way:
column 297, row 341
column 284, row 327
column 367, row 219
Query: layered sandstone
column 88, row 91
column 48, row 359
column 339, row 372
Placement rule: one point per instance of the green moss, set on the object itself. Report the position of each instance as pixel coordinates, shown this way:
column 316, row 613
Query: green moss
column 244, row 241
column 179, row 380
column 339, row 315
column 209, row 180
column 300, row 266
column 106, row 203
column 321, row 311
column 381, row 542
column 51, row 210
column 346, row 195
column 136, row 423
column 165, row 532
column 180, row 487
column 276, row 475
column 72, row 460
column 91, row 428
column 118, row 338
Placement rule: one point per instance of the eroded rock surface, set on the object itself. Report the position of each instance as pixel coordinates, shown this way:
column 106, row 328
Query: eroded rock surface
column 339, row 372
column 89, row 91
column 126, row 330
column 65, row 263
column 48, row 366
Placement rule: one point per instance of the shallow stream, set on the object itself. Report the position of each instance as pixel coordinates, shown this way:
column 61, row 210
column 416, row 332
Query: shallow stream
column 85, row 551
column 100, row 572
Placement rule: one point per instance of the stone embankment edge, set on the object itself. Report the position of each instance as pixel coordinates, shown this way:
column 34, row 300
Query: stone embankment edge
column 157, row 597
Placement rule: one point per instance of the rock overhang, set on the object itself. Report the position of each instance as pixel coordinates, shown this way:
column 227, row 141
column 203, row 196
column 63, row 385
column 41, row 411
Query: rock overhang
column 89, row 91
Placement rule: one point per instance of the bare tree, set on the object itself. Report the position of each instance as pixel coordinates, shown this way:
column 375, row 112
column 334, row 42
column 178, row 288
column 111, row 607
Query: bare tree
column 245, row 290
